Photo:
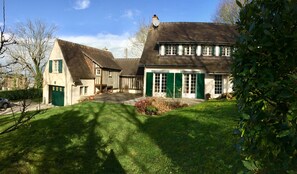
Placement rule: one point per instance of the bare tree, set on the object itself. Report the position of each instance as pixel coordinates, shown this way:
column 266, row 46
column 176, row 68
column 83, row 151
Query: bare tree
column 228, row 11
column 33, row 43
column 139, row 38
column 5, row 38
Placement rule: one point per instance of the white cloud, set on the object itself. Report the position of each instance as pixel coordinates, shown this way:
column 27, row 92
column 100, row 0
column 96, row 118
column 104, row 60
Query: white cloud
column 130, row 14
column 116, row 44
column 81, row 4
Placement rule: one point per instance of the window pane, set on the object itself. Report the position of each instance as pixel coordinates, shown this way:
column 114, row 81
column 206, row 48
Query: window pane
column 186, row 83
column 193, row 83
column 163, row 83
column 173, row 47
column 86, row 90
column 81, row 91
column 157, row 82
column 218, row 84
column 207, row 50
column 171, row 50
column 189, row 49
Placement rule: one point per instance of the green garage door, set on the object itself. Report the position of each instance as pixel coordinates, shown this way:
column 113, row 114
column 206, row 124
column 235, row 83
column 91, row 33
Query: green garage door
column 58, row 95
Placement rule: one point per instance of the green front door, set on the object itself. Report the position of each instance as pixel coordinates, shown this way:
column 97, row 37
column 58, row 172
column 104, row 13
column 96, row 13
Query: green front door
column 58, row 95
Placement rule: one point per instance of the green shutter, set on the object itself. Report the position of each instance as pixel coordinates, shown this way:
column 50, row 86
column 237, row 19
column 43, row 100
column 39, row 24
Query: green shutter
column 178, row 85
column 200, row 86
column 60, row 66
column 220, row 51
column 213, row 50
column 149, row 84
column 169, row 84
column 50, row 68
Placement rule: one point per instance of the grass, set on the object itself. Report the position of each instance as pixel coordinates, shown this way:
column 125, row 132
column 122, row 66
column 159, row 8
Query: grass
column 105, row 138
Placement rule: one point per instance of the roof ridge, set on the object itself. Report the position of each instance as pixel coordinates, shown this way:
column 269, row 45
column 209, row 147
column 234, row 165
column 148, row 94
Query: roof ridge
column 81, row 45
column 215, row 23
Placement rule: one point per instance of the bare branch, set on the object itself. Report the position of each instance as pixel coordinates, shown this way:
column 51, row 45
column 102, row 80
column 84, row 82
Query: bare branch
column 139, row 38
column 34, row 39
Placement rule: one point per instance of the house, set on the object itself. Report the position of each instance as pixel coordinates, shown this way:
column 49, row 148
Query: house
column 187, row 59
column 14, row 81
column 75, row 71
column 131, row 78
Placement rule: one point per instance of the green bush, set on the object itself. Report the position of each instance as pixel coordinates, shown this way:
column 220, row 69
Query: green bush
column 151, row 110
column 31, row 93
column 264, row 79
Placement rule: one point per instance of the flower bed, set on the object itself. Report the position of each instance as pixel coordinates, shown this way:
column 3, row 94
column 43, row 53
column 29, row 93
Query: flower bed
column 157, row 106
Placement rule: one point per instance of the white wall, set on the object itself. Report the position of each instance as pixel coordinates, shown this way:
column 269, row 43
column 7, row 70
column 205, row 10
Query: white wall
column 56, row 79
column 210, row 85
column 76, row 96
column 71, row 92
column 209, row 80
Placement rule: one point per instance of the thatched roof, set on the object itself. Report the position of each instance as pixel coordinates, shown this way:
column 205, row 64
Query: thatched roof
column 188, row 33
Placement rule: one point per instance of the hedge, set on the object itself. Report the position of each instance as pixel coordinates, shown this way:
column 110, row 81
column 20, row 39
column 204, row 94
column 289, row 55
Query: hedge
column 32, row 93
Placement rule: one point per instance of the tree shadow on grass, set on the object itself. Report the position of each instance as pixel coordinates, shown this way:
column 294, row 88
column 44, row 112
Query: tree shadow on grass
column 195, row 146
column 62, row 143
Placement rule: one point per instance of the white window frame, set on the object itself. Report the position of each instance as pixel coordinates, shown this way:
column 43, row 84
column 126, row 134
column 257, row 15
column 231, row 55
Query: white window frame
column 189, row 85
column 171, row 49
column 97, row 70
column 83, row 90
column 207, row 50
column 218, row 83
column 55, row 66
column 226, row 51
column 160, row 84
column 189, row 50
column 109, row 74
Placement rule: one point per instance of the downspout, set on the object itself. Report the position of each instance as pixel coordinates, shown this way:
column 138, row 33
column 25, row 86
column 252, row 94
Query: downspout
column 101, row 79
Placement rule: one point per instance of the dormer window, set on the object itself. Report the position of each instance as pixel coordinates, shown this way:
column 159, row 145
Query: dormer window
column 189, row 49
column 226, row 51
column 207, row 50
column 170, row 50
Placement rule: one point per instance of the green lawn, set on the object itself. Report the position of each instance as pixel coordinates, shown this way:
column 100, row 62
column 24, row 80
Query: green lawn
column 105, row 138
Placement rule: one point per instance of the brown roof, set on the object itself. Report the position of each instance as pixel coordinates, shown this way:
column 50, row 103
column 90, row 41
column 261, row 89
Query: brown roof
column 188, row 32
column 75, row 54
column 129, row 66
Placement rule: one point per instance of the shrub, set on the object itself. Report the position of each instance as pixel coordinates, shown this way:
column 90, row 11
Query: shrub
column 264, row 79
column 22, row 94
column 142, row 104
column 151, row 110
column 162, row 105
column 156, row 106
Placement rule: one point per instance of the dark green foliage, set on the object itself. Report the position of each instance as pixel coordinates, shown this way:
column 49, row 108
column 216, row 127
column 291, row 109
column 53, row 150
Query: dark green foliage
column 151, row 110
column 22, row 94
column 265, row 77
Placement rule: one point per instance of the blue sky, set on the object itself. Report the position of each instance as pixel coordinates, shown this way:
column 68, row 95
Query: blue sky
column 106, row 23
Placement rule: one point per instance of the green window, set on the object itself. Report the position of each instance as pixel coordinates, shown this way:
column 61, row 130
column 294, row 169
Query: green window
column 200, row 86
column 178, row 85
column 50, row 68
column 60, row 66
column 149, row 84
column 169, row 85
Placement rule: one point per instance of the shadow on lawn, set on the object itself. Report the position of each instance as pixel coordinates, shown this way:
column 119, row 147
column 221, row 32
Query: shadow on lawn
column 194, row 145
column 68, row 143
